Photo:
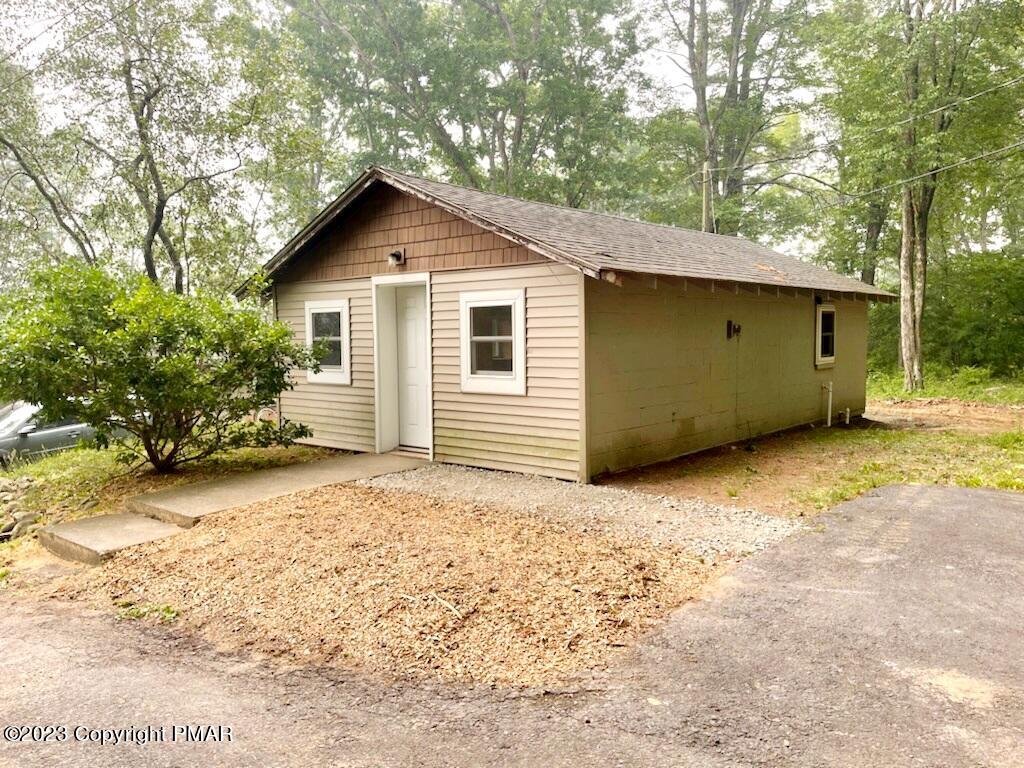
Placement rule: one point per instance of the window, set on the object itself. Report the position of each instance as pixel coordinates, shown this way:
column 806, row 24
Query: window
column 327, row 321
column 492, row 331
column 825, row 349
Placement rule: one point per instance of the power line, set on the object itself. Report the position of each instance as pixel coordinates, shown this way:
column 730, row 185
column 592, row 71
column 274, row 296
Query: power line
column 25, row 44
column 951, row 166
column 875, row 131
column 73, row 42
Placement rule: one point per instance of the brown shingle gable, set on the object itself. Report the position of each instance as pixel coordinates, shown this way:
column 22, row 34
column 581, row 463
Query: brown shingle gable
column 596, row 242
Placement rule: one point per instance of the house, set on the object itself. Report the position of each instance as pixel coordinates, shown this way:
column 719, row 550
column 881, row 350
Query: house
column 484, row 330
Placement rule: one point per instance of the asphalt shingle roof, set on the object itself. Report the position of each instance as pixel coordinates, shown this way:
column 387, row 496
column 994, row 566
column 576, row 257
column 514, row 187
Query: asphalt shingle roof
column 597, row 242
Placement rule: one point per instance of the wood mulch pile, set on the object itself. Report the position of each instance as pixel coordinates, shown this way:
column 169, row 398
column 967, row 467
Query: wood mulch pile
column 406, row 584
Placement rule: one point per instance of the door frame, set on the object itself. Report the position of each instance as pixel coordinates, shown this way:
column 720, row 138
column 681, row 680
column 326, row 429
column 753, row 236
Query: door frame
column 385, row 341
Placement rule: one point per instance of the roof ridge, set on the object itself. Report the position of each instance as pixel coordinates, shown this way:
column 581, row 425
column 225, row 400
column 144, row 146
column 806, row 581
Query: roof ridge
column 616, row 216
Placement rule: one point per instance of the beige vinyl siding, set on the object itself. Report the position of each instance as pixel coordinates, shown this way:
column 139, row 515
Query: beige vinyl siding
column 538, row 432
column 663, row 379
column 340, row 416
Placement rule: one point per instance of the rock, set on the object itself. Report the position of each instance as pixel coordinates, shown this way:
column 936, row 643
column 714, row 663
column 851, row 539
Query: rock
column 8, row 526
column 21, row 517
column 89, row 503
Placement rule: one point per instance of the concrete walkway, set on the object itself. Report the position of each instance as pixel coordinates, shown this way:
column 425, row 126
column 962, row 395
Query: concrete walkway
column 164, row 513
column 185, row 505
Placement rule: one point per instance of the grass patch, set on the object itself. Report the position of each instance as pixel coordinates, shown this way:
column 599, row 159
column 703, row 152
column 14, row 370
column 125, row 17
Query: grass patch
column 807, row 470
column 974, row 384
column 895, row 456
column 86, row 481
column 128, row 611
column 4, row 574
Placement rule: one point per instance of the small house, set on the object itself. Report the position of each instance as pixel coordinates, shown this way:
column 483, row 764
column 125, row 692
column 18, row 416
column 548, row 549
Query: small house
column 484, row 330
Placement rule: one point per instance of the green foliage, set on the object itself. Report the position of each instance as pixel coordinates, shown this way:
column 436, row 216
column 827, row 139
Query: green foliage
column 968, row 383
column 974, row 316
column 180, row 374
column 520, row 97
column 899, row 456
column 129, row 611
column 88, row 481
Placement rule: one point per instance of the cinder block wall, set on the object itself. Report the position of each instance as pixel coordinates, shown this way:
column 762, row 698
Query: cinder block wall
column 663, row 380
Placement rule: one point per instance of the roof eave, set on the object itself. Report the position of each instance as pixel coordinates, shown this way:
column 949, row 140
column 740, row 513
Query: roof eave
column 870, row 292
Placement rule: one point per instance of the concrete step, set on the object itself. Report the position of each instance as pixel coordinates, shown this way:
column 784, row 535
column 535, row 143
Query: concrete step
column 94, row 539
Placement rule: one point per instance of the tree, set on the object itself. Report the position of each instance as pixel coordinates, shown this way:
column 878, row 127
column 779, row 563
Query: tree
column 899, row 135
column 142, row 127
column 526, row 97
column 180, row 374
column 742, row 63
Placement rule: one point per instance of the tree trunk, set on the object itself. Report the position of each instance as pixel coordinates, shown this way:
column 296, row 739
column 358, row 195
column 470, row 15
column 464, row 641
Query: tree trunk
column 910, row 336
column 877, row 213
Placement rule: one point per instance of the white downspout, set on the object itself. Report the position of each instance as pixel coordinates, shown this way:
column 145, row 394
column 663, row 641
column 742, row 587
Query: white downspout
column 828, row 416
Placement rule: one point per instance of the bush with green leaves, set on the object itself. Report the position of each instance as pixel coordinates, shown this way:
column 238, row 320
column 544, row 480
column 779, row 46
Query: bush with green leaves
column 180, row 374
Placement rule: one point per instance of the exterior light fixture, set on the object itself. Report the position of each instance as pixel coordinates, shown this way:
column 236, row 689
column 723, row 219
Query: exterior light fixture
column 396, row 258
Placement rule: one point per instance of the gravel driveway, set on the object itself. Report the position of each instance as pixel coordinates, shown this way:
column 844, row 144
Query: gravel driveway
column 892, row 638
column 706, row 530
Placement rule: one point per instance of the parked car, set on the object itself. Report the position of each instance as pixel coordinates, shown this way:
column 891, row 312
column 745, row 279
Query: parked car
column 23, row 437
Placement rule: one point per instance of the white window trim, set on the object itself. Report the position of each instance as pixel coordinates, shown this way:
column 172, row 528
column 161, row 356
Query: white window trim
column 331, row 375
column 494, row 383
column 820, row 361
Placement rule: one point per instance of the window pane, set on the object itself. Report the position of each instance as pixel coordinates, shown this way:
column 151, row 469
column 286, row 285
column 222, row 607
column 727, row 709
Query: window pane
column 828, row 322
column 492, row 357
column 491, row 321
column 827, row 345
column 326, row 324
column 333, row 356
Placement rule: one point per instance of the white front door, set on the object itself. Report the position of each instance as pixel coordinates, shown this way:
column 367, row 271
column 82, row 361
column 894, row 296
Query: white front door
column 413, row 347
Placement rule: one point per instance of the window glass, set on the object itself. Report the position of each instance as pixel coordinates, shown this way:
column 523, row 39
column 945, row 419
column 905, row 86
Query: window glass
column 492, row 321
column 59, row 424
column 16, row 418
column 326, row 324
column 491, row 339
column 827, row 343
column 327, row 327
column 492, row 357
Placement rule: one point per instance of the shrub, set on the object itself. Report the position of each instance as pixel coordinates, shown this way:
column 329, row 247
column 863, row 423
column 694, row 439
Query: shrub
column 179, row 373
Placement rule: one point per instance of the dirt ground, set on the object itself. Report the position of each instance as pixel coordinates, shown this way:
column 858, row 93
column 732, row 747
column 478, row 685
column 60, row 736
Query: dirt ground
column 403, row 584
column 785, row 474
column 947, row 413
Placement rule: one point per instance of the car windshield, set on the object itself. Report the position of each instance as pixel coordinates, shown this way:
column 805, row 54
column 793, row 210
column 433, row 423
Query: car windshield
column 15, row 418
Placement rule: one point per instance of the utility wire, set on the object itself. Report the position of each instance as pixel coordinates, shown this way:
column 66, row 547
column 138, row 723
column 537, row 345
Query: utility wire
column 25, row 44
column 951, row 166
column 875, row 131
column 29, row 72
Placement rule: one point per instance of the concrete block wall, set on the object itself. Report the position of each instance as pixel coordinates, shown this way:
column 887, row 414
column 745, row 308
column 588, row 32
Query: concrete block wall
column 663, row 380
